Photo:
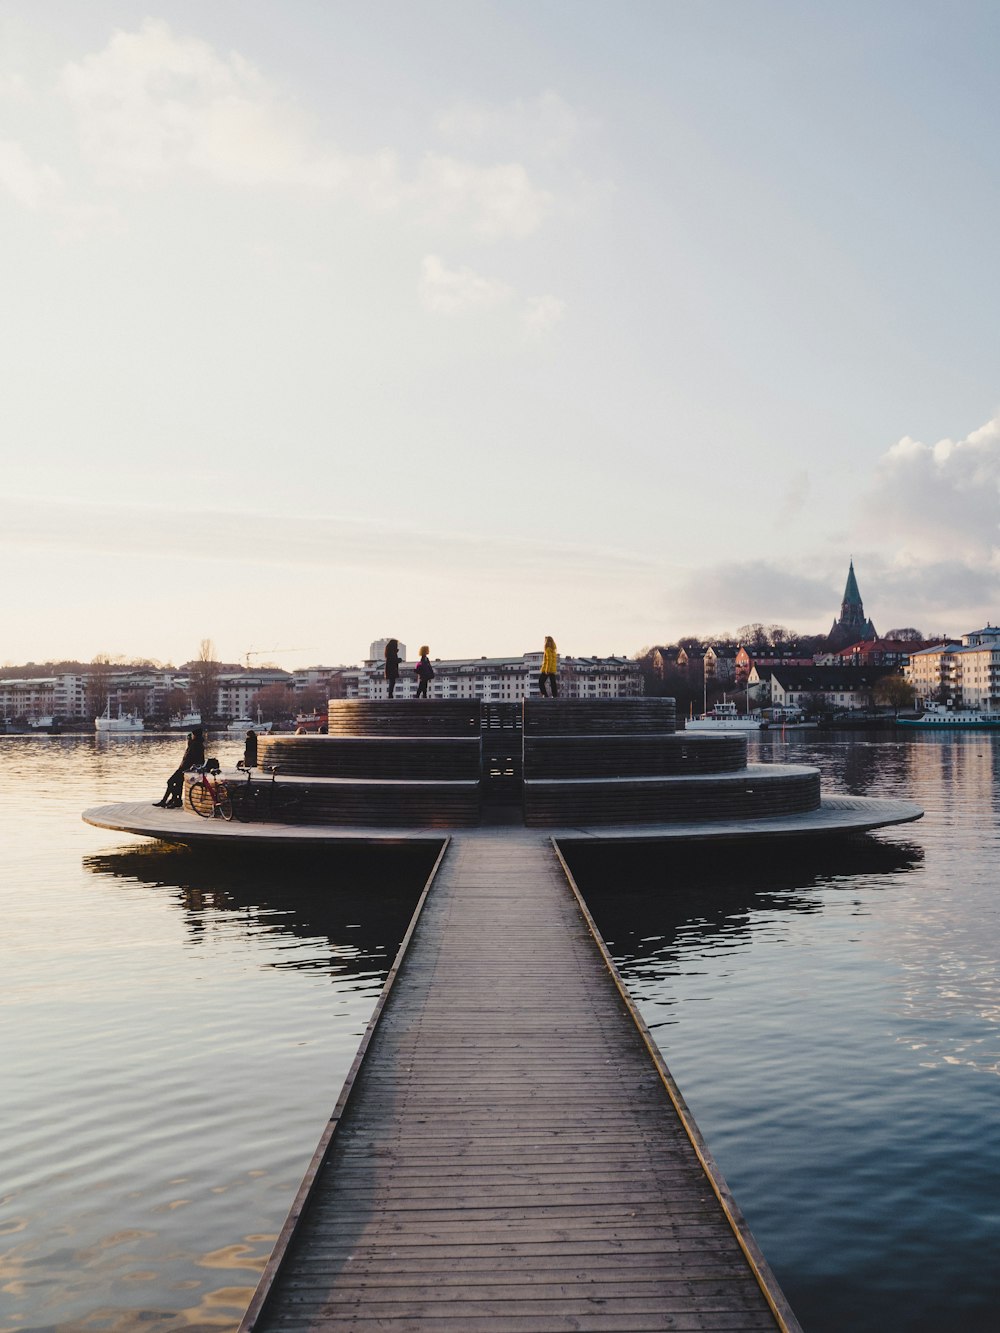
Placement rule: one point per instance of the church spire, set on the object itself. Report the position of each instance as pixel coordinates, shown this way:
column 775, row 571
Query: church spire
column 852, row 627
column 852, row 596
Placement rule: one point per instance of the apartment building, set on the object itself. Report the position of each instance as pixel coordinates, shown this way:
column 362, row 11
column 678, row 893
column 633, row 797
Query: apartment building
column 499, row 679
column 966, row 673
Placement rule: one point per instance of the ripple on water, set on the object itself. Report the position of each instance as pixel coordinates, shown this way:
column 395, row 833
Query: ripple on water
column 175, row 1033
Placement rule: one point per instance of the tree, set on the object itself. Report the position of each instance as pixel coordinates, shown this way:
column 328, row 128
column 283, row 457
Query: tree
column 98, row 683
column 277, row 703
column 907, row 635
column 205, row 674
column 754, row 637
column 313, row 699
column 894, row 692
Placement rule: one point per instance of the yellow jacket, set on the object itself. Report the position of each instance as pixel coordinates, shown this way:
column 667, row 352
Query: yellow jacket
column 550, row 662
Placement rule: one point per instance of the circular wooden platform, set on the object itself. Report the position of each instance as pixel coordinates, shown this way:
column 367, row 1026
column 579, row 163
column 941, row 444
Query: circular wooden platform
column 836, row 815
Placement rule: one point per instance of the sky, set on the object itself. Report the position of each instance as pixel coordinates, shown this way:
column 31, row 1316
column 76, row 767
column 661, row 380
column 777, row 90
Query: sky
column 469, row 322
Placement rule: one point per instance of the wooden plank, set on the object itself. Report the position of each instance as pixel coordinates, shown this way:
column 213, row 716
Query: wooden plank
column 509, row 1155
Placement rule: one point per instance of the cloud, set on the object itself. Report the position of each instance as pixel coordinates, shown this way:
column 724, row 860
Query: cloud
column 491, row 202
column 33, row 185
column 453, row 291
column 320, row 541
column 941, row 502
column 445, row 291
column 153, row 105
column 542, row 313
column 543, row 126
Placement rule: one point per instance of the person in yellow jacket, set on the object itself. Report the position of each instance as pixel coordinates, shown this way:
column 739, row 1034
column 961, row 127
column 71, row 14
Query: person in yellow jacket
column 550, row 665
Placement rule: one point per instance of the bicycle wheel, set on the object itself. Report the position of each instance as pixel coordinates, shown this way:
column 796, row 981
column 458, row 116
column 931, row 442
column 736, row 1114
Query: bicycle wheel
column 223, row 800
column 287, row 801
column 200, row 798
column 243, row 803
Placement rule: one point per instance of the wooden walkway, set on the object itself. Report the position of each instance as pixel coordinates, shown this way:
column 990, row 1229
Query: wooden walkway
column 508, row 1155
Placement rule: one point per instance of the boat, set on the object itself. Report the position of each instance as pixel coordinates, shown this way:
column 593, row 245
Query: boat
column 306, row 723
column 123, row 724
column 241, row 725
column 185, row 721
column 938, row 715
column 41, row 722
column 723, row 717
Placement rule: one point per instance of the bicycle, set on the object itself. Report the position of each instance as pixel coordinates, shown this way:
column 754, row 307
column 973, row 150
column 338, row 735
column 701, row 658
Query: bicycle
column 209, row 795
column 265, row 800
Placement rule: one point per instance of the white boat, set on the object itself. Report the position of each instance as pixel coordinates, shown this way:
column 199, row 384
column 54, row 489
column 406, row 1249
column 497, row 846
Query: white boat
column 185, row 721
column 723, row 717
column 938, row 715
column 123, row 724
column 41, row 722
column 241, row 725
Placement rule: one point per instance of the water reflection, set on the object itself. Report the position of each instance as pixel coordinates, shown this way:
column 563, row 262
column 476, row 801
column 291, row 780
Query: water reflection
column 645, row 898
column 175, row 1031
column 350, row 907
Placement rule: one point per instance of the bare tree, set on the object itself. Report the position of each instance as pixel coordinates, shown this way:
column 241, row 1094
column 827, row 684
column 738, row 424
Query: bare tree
column 277, row 703
column 906, row 635
column 205, row 674
column 894, row 692
column 98, row 683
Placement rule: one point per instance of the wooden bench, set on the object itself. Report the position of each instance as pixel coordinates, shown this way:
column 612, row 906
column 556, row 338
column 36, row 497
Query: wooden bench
column 580, row 717
column 643, row 755
column 403, row 717
column 754, row 793
column 445, row 758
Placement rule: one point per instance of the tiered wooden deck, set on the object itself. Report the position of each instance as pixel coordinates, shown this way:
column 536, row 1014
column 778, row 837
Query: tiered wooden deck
column 509, row 1154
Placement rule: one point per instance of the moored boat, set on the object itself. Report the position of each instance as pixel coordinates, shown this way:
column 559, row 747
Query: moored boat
column 185, row 721
column 938, row 715
column 123, row 724
column 241, row 725
column 723, row 717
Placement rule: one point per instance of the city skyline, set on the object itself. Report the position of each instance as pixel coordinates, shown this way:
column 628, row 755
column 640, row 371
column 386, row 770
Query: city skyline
column 475, row 322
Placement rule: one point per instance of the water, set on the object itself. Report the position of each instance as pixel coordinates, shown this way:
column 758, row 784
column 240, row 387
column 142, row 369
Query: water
column 832, row 1017
column 175, row 1029
column 174, row 1033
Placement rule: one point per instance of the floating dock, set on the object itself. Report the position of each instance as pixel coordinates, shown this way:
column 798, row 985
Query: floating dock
column 510, row 1153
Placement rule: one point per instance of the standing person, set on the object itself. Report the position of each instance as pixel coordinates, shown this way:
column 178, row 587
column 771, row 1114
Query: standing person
column 194, row 754
column 250, row 749
column 550, row 665
column 425, row 672
column 392, row 665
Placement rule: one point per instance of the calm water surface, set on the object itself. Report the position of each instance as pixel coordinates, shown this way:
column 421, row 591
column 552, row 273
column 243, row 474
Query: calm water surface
column 832, row 1017
column 174, row 1034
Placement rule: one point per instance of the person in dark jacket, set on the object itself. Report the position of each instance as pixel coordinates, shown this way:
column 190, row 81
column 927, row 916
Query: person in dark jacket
column 392, row 665
column 425, row 672
column 194, row 755
column 250, row 749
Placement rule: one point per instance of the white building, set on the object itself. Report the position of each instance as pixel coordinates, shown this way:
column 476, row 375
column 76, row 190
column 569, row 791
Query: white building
column 376, row 651
column 500, row 679
column 966, row 673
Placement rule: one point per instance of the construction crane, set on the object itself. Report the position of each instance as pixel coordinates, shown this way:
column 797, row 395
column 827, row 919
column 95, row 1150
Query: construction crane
column 266, row 652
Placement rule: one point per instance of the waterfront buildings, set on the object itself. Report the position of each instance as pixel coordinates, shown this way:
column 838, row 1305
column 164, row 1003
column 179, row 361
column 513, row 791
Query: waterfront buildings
column 76, row 698
column 498, row 679
column 961, row 674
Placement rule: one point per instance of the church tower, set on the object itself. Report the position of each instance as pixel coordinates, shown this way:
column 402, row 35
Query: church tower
column 852, row 627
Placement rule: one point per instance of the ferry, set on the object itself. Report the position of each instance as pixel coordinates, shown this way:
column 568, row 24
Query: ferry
column 723, row 717
column 123, row 724
column 937, row 715
column 185, row 721
column 241, row 725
